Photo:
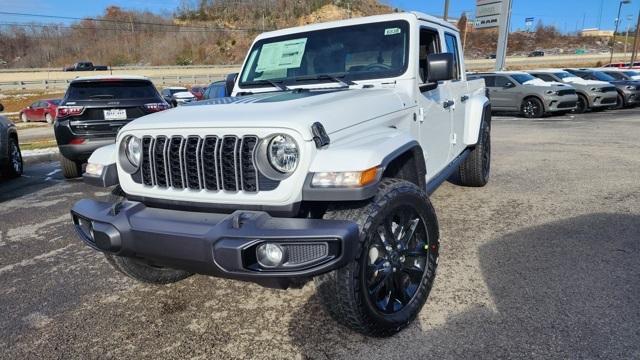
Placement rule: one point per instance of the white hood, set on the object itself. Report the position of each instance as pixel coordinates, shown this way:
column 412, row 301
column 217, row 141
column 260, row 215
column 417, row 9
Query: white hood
column 334, row 109
column 540, row 82
column 183, row 95
column 581, row 81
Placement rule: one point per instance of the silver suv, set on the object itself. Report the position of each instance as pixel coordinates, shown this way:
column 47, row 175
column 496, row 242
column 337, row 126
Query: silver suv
column 532, row 97
column 592, row 94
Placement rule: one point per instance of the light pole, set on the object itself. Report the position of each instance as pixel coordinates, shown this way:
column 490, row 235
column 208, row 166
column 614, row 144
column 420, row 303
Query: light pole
column 613, row 42
column 626, row 36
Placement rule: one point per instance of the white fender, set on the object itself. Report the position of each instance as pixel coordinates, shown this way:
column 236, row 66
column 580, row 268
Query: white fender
column 105, row 155
column 474, row 118
column 361, row 151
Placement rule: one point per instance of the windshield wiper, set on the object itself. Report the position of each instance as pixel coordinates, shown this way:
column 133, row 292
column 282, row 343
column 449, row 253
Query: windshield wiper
column 276, row 84
column 335, row 78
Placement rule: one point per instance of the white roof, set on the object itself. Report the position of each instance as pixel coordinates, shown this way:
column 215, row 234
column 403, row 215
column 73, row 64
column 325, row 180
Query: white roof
column 358, row 21
column 546, row 70
column 111, row 77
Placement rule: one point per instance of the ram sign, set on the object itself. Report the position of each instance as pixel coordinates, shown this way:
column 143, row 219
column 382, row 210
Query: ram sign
column 488, row 13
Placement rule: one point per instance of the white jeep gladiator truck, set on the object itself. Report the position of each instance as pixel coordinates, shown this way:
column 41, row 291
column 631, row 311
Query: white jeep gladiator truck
column 319, row 166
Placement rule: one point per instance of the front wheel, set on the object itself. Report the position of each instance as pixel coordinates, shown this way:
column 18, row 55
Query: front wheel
column 582, row 106
column 532, row 108
column 619, row 103
column 385, row 287
column 15, row 166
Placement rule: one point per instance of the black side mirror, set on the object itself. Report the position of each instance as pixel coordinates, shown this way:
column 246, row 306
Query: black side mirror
column 229, row 83
column 440, row 67
column 508, row 85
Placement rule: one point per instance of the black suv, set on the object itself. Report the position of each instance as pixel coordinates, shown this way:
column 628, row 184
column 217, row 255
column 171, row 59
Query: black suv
column 94, row 109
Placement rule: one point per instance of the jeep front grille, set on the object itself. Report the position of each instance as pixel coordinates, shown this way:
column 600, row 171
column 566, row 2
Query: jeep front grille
column 210, row 163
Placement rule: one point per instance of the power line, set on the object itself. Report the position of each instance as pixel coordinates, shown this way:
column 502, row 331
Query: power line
column 129, row 23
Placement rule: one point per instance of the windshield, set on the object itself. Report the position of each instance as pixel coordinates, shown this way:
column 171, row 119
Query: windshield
column 358, row 52
column 563, row 75
column 55, row 101
column 602, row 76
column 631, row 73
column 100, row 90
column 522, row 78
column 616, row 75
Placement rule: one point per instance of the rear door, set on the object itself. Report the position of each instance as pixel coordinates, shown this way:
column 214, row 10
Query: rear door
column 459, row 95
column 434, row 116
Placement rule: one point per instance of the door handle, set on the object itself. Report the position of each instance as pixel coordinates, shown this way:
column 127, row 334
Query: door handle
column 449, row 103
column 464, row 98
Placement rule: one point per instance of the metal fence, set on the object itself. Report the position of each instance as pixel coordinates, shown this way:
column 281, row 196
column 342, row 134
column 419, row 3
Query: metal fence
column 159, row 81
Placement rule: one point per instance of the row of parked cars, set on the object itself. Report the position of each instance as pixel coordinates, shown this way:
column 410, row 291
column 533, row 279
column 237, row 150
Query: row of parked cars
column 537, row 93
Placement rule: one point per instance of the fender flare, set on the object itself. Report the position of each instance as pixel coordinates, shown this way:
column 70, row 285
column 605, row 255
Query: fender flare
column 107, row 157
column 474, row 123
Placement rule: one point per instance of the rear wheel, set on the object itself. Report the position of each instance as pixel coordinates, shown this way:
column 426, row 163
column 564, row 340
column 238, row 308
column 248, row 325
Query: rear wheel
column 139, row 269
column 70, row 168
column 532, row 108
column 15, row 165
column 476, row 168
column 386, row 286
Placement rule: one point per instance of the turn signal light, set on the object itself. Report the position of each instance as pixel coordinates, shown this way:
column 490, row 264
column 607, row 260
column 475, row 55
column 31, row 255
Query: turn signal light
column 346, row 178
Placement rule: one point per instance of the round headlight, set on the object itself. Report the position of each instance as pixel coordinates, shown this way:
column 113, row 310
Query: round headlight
column 283, row 153
column 133, row 150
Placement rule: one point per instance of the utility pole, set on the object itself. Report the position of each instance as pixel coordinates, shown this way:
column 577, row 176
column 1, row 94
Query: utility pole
column 613, row 42
column 626, row 36
column 503, row 38
column 635, row 43
column 446, row 10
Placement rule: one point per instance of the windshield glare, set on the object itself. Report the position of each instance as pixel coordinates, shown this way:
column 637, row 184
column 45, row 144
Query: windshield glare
column 522, row 78
column 602, row 76
column 563, row 75
column 358, row 52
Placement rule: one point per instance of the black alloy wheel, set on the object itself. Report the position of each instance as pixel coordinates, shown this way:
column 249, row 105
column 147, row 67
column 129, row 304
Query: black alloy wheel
column 532, row 108
column 397, row 260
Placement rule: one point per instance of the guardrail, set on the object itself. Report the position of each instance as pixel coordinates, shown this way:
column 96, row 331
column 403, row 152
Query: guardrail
column 159, row 81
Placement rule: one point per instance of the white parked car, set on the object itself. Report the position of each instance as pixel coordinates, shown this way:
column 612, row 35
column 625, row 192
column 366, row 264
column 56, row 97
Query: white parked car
column 177, row 95
column 319, row 166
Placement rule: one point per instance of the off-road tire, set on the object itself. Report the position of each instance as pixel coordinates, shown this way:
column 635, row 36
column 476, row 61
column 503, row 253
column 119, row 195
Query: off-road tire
column 15, row 165
column 537, row 109
column 70, row 169
column 343, row 292
column 475, row 170
column 139, row 269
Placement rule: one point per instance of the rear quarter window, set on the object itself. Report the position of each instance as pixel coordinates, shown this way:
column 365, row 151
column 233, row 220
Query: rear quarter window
column 106, row 90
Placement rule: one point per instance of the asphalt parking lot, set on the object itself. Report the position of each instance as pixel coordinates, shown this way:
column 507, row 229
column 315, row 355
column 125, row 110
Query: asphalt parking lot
column 544, row 262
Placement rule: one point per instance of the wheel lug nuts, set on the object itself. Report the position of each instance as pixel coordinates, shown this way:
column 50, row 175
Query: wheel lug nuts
column 388, row 248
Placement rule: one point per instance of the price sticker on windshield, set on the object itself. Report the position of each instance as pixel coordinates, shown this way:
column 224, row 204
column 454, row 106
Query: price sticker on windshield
column 392, row 31
column 281, row 55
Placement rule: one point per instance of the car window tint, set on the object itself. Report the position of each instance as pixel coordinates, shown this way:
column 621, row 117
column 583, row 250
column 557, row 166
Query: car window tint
column 104, row 90
column 502, row 81
column 452, row 47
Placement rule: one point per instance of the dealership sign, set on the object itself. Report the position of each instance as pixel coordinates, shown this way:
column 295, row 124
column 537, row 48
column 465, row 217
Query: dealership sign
column 488, row 13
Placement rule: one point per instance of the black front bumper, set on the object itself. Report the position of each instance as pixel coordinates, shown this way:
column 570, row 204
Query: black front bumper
column 221, row 245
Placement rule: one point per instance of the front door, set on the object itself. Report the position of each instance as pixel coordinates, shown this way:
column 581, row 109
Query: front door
column 461, row 101
column 434, row 113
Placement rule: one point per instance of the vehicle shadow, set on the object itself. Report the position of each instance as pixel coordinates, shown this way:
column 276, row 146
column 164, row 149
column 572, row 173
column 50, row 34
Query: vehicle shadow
column 566, row 289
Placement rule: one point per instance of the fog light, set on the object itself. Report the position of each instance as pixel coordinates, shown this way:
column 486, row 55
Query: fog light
column 270, row 255
column 87, row 228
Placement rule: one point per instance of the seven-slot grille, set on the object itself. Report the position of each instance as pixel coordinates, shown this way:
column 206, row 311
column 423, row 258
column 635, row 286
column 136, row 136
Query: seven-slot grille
column 210, row 163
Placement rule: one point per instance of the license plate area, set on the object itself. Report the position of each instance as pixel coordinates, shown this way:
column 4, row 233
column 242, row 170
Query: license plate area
column 115, row 114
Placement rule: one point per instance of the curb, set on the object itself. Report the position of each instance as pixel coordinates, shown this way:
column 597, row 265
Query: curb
column 40, row 158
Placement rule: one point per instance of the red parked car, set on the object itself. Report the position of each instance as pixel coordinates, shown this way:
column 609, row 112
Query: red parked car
column 198, row 91
column 41, row 110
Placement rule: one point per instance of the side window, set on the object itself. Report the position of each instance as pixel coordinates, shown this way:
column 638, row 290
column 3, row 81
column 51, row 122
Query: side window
column 452, row 47
column 429, row 44
column 502, row 81
column 35, row 104
column 490, row 81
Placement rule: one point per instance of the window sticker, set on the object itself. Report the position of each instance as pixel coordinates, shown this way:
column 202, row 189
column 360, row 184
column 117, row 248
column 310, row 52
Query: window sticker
column 392, row 31
column 281, row 55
